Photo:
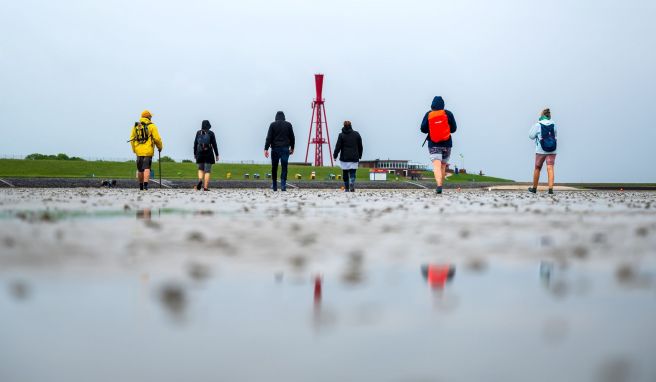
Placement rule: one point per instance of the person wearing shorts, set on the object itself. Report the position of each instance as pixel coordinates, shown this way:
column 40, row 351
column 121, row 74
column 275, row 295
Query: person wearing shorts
column 542, row 156
column 144, row 163
column 144, row 137
column 439, row 149
column 205, row 152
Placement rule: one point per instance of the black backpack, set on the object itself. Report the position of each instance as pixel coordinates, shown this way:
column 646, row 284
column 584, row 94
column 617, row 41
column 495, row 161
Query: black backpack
column 203, row 140
column 141, row 133
column 547, row 138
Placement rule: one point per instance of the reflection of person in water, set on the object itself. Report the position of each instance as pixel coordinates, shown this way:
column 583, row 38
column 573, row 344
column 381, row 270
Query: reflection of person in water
column 144, row 214
column 437, row 275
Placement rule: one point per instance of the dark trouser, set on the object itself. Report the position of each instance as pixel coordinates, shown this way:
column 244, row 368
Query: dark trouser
column 349, row 177
column 279, row 154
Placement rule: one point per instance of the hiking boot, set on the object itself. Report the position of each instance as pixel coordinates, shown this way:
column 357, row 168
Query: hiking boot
column 550, row 191
column 283, row 186
column 205, row 189
column 352, row 187
column 532, row 190
column 438, row 190
column 145, row 186
column 199, row 185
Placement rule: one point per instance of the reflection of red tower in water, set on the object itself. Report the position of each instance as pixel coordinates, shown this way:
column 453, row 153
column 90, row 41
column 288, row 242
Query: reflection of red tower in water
column 317, row 290
column 318, row 121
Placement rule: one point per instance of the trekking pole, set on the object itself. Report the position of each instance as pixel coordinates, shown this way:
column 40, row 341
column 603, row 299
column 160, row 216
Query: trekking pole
column 159, row 161
column 425, row 140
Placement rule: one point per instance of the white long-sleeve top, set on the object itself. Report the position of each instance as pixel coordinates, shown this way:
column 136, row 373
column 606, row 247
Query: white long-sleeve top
column 536, row 134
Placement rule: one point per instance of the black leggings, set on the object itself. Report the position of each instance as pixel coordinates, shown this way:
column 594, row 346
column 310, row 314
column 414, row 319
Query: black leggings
column 348, row 176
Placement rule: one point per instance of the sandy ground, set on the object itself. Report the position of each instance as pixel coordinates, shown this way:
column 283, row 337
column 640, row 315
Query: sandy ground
column 102, row 246
column 115, row 226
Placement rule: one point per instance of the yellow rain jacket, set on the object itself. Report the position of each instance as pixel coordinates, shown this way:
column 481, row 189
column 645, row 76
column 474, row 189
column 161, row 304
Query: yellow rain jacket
column 146, row 149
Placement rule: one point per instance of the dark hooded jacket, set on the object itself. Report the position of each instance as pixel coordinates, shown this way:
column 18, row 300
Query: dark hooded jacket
column 438, row 104
column 349, row 143
column 205, row 155
column 280, row 134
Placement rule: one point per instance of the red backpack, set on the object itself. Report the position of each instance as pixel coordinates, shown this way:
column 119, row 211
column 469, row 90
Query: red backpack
column 438, row 126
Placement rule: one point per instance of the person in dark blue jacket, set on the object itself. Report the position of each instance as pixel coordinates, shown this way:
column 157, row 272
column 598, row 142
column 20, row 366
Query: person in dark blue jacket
column 280, row 138
column 205, row 152
column 439, row 124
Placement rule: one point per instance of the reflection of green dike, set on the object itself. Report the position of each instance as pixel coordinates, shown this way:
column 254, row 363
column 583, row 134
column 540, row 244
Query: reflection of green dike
column 18, row 168
column 53, row 215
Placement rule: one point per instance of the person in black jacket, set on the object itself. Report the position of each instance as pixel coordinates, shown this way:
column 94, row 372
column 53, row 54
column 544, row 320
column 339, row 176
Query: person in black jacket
column 349, row 143
column 205, row 150
column 439, row 124
column 280, row 138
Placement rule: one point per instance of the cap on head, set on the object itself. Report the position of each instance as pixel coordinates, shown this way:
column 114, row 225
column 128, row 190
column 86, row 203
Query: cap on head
column 146, row 114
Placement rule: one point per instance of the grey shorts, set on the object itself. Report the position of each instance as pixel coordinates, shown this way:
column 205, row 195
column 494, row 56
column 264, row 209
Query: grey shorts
column 205, row 167
column 440, row 153
column 144, row 163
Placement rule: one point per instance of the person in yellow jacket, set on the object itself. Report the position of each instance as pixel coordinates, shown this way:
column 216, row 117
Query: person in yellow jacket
column 143, row 138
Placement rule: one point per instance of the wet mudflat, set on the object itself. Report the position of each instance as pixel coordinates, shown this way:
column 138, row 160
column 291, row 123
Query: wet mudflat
column 173, row 285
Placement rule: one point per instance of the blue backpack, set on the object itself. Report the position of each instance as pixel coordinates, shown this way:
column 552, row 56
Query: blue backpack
column 547, row 138
column 203, row 140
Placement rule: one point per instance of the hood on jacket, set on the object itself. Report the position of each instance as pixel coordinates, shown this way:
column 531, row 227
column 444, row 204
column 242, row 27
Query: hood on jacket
column 347, row 129
column 546, row 122
column 206, row 125
column 438, row 103
column 145, row 121
column 280, row 116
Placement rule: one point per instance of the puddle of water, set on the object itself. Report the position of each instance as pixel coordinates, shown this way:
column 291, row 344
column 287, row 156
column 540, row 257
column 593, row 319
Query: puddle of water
column 504, row 321
column 51, row 215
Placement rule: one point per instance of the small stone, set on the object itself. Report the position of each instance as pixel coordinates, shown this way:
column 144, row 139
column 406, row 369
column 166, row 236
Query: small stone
column 196, row 236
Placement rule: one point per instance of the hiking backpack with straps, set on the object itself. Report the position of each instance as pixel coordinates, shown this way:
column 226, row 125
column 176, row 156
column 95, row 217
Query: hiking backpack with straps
column 203, row 140
column 141, row 133
column 547, row 138
column 439, row 129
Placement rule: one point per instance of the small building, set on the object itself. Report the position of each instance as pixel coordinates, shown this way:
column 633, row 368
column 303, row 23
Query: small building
column 377, row 174
column 397, row 167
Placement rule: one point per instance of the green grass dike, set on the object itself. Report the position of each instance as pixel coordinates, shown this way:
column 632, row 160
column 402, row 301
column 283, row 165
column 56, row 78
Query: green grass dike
column 21, row 168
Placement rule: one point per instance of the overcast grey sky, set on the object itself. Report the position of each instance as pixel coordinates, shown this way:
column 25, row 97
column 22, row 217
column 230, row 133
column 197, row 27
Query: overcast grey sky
column 75, row 75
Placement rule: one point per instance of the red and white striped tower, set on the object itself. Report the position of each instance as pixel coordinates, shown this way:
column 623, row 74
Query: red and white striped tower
column 318, row 121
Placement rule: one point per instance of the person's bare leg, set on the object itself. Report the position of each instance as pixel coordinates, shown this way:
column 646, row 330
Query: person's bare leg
column 550, row 174
column 146, row 175
column 443, row 172
column 437, row 171
column 140, row 176
column 207, row 180
column 201, row 175
column 536, row 177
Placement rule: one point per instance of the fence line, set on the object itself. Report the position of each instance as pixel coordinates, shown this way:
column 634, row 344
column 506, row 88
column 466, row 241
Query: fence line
column 127, row 159
column 222, row 161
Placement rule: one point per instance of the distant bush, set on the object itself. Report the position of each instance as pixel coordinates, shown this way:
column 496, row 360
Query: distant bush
column 60, row 156
column 167, row 159
column 187, row 161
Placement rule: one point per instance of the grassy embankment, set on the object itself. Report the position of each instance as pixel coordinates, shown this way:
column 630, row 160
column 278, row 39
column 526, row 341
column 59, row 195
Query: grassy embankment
column 18, row 168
